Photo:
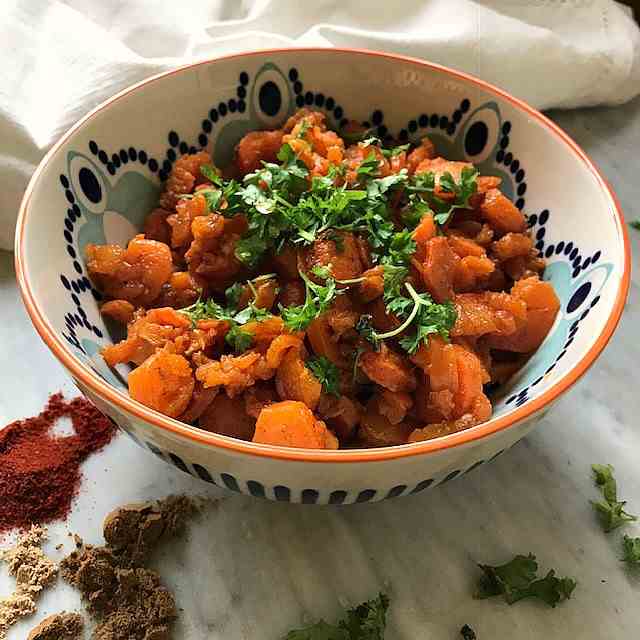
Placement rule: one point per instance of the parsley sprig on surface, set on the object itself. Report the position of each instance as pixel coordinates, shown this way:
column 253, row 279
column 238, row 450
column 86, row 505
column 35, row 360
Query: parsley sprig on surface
column 364, row 622
column 610, row 510
column 518, row 579
column 631, row 550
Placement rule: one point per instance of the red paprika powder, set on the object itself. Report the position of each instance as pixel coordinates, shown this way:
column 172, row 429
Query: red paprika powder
column 40, row 472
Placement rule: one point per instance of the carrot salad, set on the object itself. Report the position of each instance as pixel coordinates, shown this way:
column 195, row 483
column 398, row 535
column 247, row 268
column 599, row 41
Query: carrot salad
column 325, row 291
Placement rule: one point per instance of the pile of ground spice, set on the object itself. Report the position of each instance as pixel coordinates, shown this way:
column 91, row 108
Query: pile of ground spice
column 33, row 571
column 60, row 626
column 127, row 599
column 39, row 472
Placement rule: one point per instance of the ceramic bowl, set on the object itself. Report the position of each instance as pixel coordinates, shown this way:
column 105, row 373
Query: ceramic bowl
column 102, row 178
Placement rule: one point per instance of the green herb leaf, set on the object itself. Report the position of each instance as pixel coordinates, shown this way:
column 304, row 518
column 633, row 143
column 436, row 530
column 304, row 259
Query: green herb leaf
column 368, row 620
column 517, row 579
column 431, row 319
column 238, row 339
column 233, row 293
column 206, row 309
column 519, row 573
column 318, row 631
column 424, row 185
column 635, row 224
column 318, row 299
column 467, row 633
column 369, row 167
column 210, row 173
column 364, row 622
column 423, row 318
column 396, row 151
column 610, row 511
column 327, row 374
column 631, row 550
column 251, row 249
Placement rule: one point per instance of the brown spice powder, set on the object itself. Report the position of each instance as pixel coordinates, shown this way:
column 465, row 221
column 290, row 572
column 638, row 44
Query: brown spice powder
column 60, row 626
column 127, row 599
column 33, row 571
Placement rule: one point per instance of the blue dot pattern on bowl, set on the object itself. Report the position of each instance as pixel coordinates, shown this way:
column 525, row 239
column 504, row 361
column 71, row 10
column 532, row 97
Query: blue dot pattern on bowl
column 477, row 133
column 282, row 493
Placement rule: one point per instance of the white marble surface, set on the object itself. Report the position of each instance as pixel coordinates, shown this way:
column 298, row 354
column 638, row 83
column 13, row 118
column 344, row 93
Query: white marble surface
column 252, row 570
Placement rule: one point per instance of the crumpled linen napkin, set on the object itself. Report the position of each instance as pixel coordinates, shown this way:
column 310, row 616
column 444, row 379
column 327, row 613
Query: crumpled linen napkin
column 60, row 59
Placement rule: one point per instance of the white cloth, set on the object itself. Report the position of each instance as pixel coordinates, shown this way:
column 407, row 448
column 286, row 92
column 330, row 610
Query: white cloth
column 60, row 59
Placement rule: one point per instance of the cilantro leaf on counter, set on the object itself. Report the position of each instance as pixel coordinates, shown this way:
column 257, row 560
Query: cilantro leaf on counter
column 518, row 579
column 610, row 511
column 631, row 550
column 327, row 374
column 364, row 622
column 368, row 620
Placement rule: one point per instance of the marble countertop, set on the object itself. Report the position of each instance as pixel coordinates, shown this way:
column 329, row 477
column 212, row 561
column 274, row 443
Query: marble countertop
column 251, row 569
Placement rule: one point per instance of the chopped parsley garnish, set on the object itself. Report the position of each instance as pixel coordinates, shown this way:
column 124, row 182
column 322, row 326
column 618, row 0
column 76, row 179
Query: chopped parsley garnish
column 364, row 622
column 610, row 510
column 327, row 374
column 318, row 299
column 518, row 579
column 239, row 339
column 424, row 185
column 210, row 173
column 631, row 550
column 423, row 318
column 282, row 205
column 395, row 151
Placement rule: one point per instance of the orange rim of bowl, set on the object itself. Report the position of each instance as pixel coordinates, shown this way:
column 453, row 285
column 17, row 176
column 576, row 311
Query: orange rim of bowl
column 125, row 403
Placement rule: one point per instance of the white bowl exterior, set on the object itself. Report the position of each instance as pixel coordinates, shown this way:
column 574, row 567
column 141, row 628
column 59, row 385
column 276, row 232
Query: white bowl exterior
column 571, row 214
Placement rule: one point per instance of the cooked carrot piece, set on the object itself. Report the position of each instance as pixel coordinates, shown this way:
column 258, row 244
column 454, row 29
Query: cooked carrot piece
column 388, row 369
column 120, row 310
column 372, row 286
column 164, row 382
column 512, row 245
column 292, row 424
column 542, row 307
column 377, row 431
column 340, row 252
column 439, row 269
column 227, row 416
column 322, row 340
column 256, row 147
column 295, row 382
column 501, row 213
column 394, row 406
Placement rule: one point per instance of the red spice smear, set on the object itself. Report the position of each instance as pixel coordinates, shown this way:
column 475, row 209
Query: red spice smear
column 40, row 472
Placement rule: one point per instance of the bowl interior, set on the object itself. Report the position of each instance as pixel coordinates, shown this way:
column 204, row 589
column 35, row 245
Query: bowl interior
column 102, row 179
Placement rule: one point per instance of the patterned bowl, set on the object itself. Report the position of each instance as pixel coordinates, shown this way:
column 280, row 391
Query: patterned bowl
column 102, row 178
